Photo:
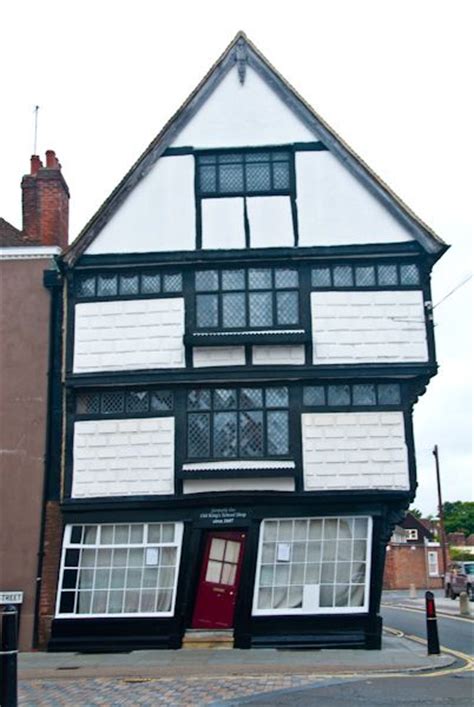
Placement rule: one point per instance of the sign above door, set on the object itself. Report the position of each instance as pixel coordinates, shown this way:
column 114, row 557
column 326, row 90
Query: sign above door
column 222, row 517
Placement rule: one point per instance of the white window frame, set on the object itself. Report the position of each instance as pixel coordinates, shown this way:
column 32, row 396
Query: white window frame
column 412, row 534
column 433, row 567
column 67, row 545
column 319, row 610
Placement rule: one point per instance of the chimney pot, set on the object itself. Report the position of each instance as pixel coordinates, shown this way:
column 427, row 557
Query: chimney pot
column 35, row 164
column 51, row 160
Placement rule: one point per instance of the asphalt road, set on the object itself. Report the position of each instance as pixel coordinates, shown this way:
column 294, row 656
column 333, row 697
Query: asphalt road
column 444, row 690
column 455, row 633
column 447, row 691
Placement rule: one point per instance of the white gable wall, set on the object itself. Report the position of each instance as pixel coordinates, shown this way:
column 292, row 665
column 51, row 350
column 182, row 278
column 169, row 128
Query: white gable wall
column 352, row 450
column 335, row 209
column 223, row 223
column 237, row 115
column 125, row 335
column 368, row 327
column 158, row 215
column 270, row 221
column 123, row 457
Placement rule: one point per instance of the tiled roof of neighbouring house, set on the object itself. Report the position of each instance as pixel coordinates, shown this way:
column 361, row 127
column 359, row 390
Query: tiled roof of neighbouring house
column 10, row 236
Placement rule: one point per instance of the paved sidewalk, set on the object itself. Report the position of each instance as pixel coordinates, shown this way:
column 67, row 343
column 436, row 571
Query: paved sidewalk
column 402, row 598
column 202, row 677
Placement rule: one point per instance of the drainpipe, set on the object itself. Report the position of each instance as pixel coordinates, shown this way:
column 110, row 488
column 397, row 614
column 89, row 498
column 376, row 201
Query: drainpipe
column 52, row 280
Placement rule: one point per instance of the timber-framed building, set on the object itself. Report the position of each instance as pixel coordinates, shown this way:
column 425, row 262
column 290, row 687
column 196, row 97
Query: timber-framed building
column 246, row 326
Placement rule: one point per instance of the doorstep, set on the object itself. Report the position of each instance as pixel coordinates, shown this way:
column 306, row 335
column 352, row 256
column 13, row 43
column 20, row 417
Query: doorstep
column 198, row 639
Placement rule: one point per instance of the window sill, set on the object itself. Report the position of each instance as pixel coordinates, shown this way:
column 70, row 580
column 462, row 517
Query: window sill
column 259, row 336
column 237, row 469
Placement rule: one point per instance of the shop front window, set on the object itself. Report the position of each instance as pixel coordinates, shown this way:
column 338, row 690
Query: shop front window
column 313, row 565
column 119, row 570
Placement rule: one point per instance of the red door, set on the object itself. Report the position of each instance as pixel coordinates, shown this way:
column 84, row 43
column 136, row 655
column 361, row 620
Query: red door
column 219, row 580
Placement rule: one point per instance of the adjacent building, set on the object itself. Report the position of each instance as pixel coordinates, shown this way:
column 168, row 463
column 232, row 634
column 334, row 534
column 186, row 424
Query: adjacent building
column 414, row 557
column 247, row 324
column 25, row 362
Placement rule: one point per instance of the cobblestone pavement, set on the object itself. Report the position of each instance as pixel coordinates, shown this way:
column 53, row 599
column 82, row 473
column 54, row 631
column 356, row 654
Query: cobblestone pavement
column 189, row 692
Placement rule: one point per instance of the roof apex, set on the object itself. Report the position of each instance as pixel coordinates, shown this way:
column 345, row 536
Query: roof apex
column 432, row 243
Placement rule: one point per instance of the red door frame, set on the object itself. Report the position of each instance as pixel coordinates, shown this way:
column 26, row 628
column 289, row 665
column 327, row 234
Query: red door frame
column 214, row 605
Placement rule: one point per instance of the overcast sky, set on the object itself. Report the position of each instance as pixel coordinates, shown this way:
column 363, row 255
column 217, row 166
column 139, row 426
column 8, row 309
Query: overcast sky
column 393, row 78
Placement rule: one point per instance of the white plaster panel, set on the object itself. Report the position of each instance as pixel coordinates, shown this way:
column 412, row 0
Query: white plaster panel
column 354, row 451
column 335, row 209
column 159, row 214
column 223, row 223
column 366, row 327
column 205, row 356
column 270, row 221
column 278, row 355
column 129, row 334
column 123, row 457
column 216, row 485
column 237, row 115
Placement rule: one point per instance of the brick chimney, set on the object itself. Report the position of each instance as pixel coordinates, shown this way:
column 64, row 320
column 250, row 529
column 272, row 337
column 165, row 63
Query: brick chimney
column 45, row 201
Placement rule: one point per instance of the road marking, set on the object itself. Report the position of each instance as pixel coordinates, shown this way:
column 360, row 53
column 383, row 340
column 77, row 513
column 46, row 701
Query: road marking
column 422, row 611
column 467, row 667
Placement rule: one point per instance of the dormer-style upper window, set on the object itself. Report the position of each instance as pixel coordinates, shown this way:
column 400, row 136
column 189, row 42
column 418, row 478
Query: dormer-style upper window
column 244, row 173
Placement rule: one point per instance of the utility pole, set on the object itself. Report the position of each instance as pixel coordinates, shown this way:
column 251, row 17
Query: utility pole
column 441, row 514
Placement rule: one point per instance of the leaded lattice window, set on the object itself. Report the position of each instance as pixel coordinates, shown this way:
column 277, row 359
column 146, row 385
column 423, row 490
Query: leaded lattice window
column 244, row 173
column 356, row 395
column 121, row 570
column 121, row 285
column 252, row 298
column 120, row 403
column 231, row 423
column 313, row 565
column 365, row 276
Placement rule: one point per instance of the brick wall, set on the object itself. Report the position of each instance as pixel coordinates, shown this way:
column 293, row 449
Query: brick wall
column 349, row 450
column 408, row 564
column 53, row 531
column 45, row 202
column 123, row 457
column 129, row 334
column 363, row 327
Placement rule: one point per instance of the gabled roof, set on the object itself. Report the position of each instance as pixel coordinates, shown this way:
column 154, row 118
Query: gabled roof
column 242, row 51
column 10, row 236
column 411, row 521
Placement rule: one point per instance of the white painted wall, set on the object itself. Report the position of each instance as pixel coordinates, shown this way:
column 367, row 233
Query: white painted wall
column 158, row 215
column 205, row 356
column 223, row 223
column 223, row 485
column 238, row 115
column 354, row 450
column 368, row 327
column 278, row 355
column 270, row 221
column 123, row 457
column 335, row 209
column 125, row 335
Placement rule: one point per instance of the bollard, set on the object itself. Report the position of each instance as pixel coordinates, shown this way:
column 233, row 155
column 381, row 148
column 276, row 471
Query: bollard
column 412, row 591
column 464, row 604
column 431, row 625
column 9, row 657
